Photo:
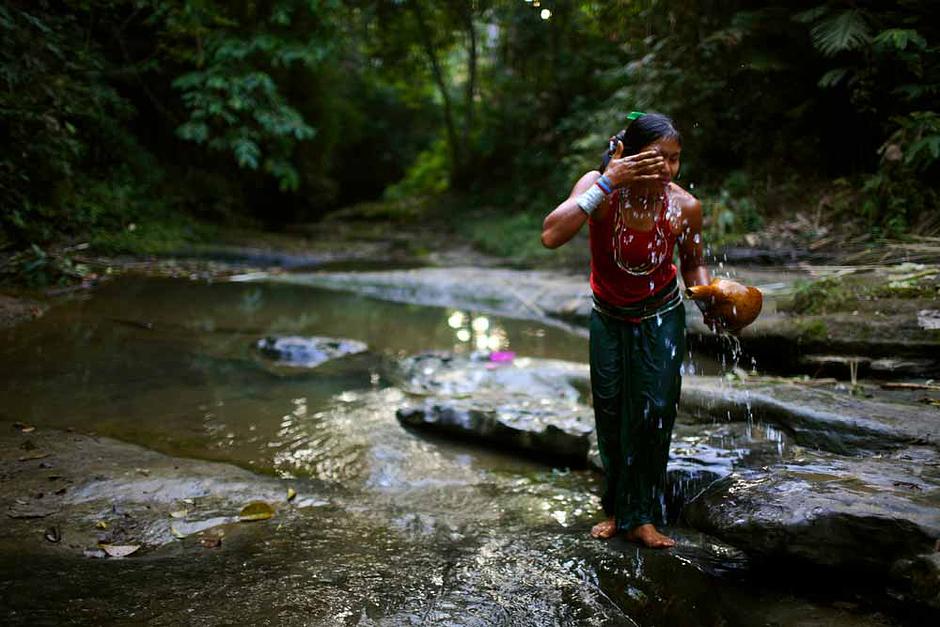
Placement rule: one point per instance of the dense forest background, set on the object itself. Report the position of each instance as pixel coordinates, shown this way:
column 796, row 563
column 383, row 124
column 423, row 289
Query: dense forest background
column 132, row 124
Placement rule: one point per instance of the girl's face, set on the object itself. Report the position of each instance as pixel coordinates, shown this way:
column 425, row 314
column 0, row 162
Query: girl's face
column 670, row 149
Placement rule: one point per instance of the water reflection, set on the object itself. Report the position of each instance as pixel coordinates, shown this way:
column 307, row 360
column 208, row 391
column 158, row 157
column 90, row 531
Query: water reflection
column 481, row 333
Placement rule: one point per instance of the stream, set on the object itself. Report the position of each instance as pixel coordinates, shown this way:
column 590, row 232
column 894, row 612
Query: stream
column 391, row 526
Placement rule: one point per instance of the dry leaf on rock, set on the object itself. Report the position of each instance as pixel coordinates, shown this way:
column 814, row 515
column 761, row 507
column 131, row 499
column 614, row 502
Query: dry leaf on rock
column 119, row 550
column 32, row 456
column 256, row 510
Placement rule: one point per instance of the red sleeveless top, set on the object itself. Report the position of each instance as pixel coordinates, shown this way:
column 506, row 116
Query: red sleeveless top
column 629, row 265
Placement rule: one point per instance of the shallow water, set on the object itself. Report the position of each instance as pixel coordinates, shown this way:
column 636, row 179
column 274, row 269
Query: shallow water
column 406, row 529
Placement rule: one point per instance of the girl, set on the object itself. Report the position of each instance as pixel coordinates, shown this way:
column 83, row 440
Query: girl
column 636, row 216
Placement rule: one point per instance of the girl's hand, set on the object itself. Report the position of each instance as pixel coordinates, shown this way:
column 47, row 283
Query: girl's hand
column 645, row 166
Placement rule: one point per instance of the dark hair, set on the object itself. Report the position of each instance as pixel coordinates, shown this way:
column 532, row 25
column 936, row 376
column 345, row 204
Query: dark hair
column 643, row 131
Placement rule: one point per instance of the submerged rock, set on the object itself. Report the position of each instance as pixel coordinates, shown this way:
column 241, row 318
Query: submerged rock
column 307, row 352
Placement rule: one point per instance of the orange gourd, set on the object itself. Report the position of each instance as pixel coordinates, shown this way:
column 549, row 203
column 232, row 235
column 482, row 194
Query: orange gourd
column 734, row 306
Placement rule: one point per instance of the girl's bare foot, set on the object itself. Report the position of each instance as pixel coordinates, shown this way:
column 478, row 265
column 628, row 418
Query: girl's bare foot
column 649, row 537
column 604, row 529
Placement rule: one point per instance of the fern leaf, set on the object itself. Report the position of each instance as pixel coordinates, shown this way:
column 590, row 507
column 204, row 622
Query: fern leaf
column 833, row 77
column 843, row 31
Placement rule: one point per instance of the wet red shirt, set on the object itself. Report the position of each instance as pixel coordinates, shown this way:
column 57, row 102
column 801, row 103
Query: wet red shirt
column 646, row 255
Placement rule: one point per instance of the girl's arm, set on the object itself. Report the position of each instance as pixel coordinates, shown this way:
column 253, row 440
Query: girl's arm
column 691, row 249
column 566, row 219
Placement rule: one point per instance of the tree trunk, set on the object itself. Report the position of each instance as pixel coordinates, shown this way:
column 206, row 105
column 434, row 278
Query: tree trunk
column 439, row 80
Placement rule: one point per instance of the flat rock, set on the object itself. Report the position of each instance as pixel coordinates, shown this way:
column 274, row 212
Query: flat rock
column 529, row 405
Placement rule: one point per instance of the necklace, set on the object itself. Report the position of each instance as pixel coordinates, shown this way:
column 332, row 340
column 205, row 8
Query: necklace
column 658, row 246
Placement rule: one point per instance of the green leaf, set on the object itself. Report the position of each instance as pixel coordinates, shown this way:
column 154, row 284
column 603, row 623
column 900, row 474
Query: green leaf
column 833, row 77
column 810, row 16
column 929, row 144
column 194, row 131
column 900, row 38
column 247, row 153
column 844, row 31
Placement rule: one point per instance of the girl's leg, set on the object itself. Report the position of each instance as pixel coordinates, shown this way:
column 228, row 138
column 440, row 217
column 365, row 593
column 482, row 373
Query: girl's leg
column 606, row 347
column 654, row 353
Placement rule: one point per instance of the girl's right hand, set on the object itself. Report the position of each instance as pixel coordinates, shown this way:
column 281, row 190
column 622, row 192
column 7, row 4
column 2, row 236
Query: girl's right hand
column 645, row 166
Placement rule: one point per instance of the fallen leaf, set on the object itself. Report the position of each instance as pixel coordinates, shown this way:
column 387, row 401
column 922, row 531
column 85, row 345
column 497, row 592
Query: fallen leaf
column 256, row 510
column 53, row 534
column 291, row 494
column 101, row 524
column 119, row 550
column 33, row 456
column 179, row 513
column 27, row 511
column 22, row 427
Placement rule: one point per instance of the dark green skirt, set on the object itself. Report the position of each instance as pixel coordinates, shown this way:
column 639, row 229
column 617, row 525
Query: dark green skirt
column 636, row 381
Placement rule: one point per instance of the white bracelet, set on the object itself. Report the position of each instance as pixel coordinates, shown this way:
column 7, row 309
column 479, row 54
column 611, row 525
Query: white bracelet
column 592, row 198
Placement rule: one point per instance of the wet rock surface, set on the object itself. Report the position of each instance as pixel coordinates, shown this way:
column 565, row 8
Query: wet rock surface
column 878, row 514
column 93, row 491
column 835, row 421
column 738, row 479
column 540, row 407
column 831, row 510
column 528, row 405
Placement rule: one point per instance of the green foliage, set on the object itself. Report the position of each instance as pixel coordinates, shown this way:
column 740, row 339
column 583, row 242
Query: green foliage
column 57, row 114
column 125, row 112
column 846, row 293
column 233, row 97
column 733, row 210
column 515, row 236
column 429, row 174
column 821, row 296
column 840, row 32
column 35, row 267
column 812, row 330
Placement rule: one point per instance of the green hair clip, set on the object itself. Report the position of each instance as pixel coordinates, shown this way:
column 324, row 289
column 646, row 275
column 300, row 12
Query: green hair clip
column 634, row 115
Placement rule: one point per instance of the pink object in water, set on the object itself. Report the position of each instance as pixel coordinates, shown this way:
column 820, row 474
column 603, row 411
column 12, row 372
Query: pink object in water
column 502, row 356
